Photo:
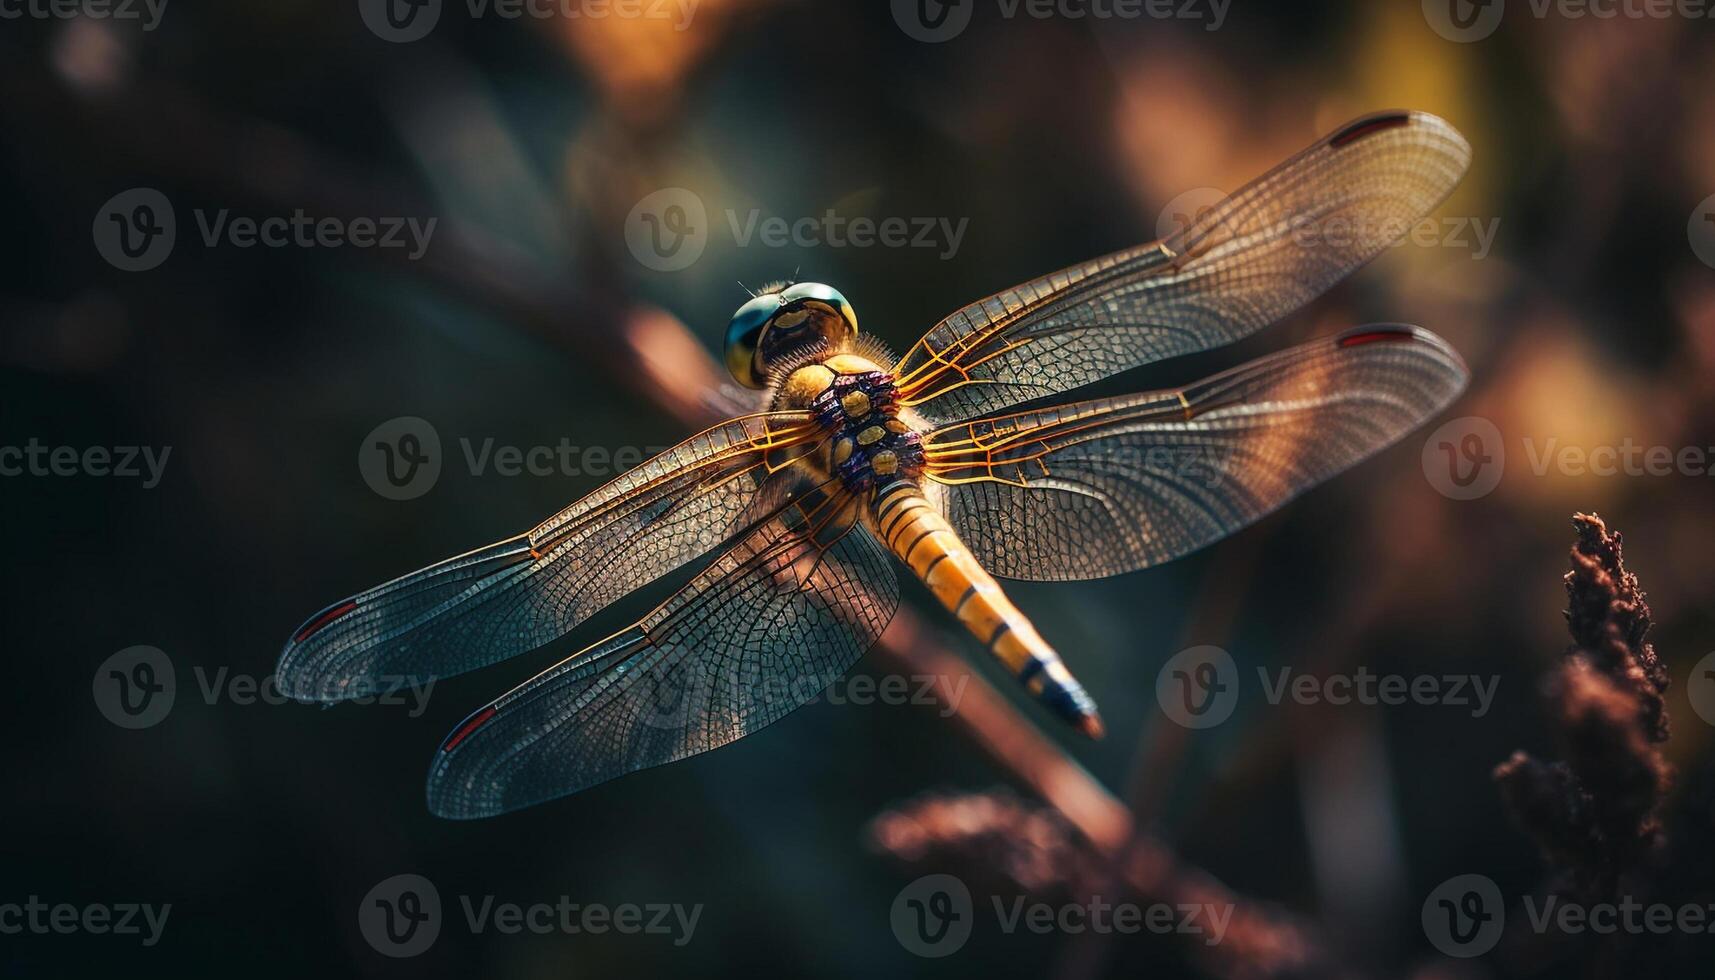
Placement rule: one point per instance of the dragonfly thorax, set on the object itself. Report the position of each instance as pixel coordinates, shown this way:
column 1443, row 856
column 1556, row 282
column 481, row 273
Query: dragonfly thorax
column 856, row 402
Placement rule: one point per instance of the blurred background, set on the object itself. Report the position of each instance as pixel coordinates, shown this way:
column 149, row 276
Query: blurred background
column 552, row 302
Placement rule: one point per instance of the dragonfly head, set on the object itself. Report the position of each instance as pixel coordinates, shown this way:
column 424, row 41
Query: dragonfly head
column 780, row 321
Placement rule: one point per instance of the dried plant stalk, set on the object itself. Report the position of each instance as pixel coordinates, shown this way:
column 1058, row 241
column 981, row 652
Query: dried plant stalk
column 1596, row 813
column 1001, row 843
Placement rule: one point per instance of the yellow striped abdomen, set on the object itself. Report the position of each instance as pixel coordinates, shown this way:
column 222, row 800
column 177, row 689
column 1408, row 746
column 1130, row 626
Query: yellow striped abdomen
column 915, row 531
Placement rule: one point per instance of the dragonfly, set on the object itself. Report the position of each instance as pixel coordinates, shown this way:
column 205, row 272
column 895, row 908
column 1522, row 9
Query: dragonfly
column 957, row 460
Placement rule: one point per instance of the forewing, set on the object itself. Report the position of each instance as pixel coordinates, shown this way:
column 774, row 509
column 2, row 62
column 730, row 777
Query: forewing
column 770, row 623
column 1266, row 250
column 1095, row 488
column 518, row 594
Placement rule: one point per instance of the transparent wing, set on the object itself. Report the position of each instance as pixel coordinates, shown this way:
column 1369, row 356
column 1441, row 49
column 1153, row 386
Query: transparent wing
column 518, row 594
column 1263, row 252
column 1095, row 488
column 775, row 619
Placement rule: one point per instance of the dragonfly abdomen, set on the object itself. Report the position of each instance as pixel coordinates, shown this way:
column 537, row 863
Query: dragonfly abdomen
column 917, row 533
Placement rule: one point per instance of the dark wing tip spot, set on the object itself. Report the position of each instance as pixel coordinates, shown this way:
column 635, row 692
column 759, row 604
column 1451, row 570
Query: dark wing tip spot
column 1368, row 126
column 1375, row 335
column 322, row 619
column 470, row 725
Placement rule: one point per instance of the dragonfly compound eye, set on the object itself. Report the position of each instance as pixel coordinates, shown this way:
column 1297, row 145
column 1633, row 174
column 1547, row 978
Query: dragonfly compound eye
column 777, row 323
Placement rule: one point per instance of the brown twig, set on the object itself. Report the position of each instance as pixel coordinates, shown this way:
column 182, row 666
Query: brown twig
column 1006, row 845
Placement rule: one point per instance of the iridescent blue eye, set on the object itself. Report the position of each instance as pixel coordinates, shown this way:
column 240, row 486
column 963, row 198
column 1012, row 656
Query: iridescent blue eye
column 743, row 335
column 776, row 324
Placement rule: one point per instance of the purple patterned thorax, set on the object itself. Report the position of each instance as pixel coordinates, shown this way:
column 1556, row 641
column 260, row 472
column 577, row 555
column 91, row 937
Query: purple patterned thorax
column 870, row 440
